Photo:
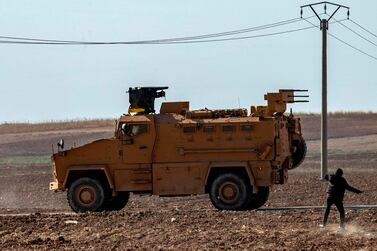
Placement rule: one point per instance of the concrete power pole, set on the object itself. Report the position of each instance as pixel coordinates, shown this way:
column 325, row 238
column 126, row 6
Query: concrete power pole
column 324, row 26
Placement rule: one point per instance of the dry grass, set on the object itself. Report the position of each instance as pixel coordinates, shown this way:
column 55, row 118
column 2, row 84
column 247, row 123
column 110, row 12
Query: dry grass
column 23, row 160
column 6, row 128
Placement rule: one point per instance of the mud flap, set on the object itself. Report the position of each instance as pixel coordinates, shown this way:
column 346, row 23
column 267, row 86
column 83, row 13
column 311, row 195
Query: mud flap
column 280, row 176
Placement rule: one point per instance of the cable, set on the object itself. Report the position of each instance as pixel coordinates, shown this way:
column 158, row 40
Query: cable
column 358, row 34
column 317, row 26
column 344, row 42
column 228, row 33
column 353, row 47
column 24, row 40
column 363, row 28
column 246, row 37
column 172, row 42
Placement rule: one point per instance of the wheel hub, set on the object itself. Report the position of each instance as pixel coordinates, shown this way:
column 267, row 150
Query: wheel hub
column 86, row 195
column 228, row 192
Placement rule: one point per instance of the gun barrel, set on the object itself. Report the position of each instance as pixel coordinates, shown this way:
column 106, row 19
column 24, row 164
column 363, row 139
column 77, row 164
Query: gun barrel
column 298, row 96
column 293, row 90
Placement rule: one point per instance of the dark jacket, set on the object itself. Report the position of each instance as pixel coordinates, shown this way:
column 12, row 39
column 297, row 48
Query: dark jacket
column 337, row 187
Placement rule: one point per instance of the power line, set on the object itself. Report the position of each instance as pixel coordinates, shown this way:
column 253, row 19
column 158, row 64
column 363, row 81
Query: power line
column 245, row 37
column 178, row 40
column 172, row 42
column 317, row 26
column 353, row 47
column 365, row 29
column 227, row 33
column 344, row 42
column 356, row 33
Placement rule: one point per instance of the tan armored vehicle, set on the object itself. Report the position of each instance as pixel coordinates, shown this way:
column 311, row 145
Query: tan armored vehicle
column 233, row 156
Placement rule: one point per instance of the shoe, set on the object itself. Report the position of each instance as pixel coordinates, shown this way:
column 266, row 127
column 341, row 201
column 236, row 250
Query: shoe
column 322, row 225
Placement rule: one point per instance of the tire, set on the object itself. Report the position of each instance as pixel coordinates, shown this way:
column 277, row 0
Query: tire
column 86, row 195
column 299, row 155
column 229, row 191
column 259, row 199
column 118, row 202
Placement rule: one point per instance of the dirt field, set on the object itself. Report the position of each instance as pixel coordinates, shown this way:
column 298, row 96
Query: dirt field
column 150, row 222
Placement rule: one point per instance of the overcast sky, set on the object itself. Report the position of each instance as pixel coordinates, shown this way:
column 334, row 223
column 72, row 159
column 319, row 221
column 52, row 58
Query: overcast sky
column 41, row 83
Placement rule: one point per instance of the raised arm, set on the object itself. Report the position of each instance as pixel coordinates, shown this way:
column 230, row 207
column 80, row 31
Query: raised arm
column 352, row 189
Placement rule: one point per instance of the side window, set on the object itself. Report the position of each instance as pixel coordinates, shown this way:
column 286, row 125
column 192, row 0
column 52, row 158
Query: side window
column 134, row 129
column 137, row 129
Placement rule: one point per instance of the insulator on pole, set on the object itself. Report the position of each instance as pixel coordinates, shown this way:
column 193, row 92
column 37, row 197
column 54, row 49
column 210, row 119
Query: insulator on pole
column 301, row 12
column 348, row 14
column 325, row 7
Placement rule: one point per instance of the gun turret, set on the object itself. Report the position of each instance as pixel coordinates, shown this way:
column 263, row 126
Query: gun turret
column 142, row 98
column 277, row 102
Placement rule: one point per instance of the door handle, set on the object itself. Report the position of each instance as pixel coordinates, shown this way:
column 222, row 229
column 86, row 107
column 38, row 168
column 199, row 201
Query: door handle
column 143, row 147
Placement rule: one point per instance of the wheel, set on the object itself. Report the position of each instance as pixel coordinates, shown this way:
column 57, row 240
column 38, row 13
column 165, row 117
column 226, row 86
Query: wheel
column 229, row 191
column 118, row 202
column 86, row 195
column 299, row 155
column 259, row 199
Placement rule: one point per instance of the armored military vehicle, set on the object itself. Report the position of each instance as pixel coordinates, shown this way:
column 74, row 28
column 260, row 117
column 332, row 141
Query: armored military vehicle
column 233, row 155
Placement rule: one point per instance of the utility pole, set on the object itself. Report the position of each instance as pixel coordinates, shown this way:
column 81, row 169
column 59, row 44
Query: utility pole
column 324, row 26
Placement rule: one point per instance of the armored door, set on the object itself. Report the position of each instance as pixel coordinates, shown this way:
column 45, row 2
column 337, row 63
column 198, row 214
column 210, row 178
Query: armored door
column 137, row 139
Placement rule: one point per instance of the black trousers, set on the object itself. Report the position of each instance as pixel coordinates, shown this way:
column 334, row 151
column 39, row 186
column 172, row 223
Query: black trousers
column 339, row 205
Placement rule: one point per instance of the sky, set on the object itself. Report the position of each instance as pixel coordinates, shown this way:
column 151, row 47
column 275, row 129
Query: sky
column 44, row 83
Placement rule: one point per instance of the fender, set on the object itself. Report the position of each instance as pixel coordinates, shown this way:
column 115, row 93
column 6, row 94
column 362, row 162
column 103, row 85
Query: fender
column 88, row 168
column 232, row 164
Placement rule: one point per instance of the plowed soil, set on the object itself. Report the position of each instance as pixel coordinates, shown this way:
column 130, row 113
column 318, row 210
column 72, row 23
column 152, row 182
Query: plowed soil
column 33, row 218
